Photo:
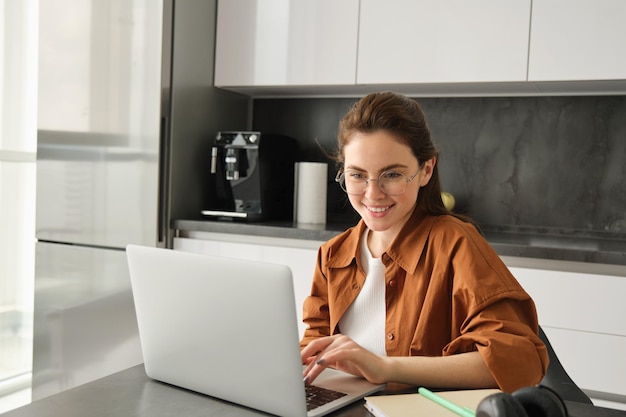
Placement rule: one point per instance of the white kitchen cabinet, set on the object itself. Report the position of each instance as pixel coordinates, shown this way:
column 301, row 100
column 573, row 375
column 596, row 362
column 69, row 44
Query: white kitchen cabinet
column 574, row 40
column 450, row 41
column 583, row 316
column 286, row 42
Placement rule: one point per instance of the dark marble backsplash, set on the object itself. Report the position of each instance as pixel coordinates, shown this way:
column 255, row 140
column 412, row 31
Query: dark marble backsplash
column 557, row 164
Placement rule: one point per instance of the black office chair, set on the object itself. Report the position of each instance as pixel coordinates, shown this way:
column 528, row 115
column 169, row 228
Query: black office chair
column 558, row 380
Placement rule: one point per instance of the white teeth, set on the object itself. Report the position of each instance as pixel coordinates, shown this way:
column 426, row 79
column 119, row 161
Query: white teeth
column 378, row 209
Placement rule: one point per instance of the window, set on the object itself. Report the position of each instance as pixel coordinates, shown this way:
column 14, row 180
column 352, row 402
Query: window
column 18, row 131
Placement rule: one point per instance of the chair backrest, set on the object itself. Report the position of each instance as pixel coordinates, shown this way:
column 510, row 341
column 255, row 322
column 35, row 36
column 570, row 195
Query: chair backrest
column 558, row 380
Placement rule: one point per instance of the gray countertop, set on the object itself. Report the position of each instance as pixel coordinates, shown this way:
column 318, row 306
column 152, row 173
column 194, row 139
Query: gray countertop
column 132, row 393
column 576, row 246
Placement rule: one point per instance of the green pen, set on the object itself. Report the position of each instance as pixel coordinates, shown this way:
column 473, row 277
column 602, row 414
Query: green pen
column 462, row 411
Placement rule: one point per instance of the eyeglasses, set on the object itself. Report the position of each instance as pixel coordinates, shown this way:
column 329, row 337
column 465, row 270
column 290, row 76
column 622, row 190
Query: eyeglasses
column 390, row 182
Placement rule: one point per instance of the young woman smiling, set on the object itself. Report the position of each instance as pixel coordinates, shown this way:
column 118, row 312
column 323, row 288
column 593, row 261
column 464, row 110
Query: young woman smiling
column 413, row 294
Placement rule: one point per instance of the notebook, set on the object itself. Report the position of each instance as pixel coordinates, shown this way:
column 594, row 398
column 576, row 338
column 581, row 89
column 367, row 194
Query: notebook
column 416, row 405
column 227, row 328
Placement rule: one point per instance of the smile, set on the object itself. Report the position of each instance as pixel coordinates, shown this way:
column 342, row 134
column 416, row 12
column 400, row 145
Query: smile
column 378, row 209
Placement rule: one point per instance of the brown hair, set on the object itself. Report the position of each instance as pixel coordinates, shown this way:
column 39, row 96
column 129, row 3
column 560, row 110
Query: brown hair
column 404, row 119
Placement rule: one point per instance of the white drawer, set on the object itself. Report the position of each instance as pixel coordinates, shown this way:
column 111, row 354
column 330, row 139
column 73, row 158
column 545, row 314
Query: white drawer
column 594, row 361
column 577, row 301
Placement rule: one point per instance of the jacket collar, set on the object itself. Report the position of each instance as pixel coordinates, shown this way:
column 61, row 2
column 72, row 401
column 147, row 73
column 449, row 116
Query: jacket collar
column 413, row 235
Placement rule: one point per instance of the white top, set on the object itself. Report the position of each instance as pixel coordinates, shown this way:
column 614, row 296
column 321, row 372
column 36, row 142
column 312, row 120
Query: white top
column 364, row 321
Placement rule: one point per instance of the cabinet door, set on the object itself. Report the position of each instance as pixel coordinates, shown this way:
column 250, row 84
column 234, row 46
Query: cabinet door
column 583, row 302
column 578, row 40
column 286, row 42
column 583, row 317
column 424, row 41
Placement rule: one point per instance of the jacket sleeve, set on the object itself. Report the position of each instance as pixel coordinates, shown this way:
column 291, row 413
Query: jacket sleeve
column 497, row 318
column 508, row 343
column 315, row 312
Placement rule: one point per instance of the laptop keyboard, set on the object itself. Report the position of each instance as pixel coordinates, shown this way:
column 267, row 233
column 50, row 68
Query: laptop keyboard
column 318, row 396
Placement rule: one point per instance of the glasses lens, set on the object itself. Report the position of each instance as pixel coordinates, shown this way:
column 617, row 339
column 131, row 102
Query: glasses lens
column 353, row 184
column 392, row 183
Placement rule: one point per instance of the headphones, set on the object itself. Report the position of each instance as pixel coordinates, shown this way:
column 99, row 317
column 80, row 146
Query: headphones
column 537, row 401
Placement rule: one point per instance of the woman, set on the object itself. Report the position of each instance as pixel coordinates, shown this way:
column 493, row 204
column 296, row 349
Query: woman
column 412, row 294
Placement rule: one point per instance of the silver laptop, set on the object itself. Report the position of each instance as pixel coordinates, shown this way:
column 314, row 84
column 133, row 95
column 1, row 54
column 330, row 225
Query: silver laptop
column 227, row 328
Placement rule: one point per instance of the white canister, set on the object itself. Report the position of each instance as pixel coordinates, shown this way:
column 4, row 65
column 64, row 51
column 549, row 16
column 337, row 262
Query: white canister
column 310, row 192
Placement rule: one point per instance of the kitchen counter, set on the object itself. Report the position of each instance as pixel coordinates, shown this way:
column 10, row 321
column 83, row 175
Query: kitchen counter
column 608, row 249
column 132, row 393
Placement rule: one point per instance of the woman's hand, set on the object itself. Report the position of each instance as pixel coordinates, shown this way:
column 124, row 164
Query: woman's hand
column 342, row 353
column 459, row 371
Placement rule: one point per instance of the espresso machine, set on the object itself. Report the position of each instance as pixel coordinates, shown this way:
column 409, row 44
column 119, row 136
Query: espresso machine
column 251, row 176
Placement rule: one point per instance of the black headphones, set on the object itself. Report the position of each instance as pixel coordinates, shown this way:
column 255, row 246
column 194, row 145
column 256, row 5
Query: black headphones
column 537, row 401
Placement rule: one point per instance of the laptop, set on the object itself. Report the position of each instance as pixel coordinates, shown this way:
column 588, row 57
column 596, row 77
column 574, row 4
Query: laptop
column 227, row 328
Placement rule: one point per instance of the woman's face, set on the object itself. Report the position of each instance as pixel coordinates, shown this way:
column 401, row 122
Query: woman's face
column 369, row 155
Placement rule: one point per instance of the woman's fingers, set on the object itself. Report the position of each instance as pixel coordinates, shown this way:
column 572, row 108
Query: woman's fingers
column 339, row 352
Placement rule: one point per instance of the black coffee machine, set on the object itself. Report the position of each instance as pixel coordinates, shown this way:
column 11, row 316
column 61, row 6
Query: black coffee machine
column 252, row 176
